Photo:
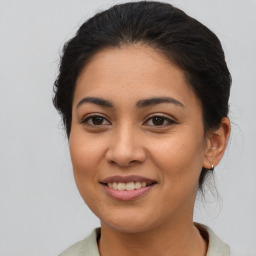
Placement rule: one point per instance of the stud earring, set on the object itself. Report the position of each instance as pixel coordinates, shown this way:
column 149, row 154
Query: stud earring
column 212, row 168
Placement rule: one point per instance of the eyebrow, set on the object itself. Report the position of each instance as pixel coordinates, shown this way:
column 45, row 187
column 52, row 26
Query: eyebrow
column 95, row 100
column 157, row 100
column 139, row 104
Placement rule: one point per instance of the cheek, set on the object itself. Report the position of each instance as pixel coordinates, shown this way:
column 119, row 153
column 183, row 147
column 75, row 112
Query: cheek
column 86, row 154
column 180, row 156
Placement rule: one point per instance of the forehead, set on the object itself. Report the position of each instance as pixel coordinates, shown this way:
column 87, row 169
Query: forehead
column 132, row 71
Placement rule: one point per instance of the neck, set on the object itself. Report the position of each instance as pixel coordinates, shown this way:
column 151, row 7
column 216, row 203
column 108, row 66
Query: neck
column 177, row 239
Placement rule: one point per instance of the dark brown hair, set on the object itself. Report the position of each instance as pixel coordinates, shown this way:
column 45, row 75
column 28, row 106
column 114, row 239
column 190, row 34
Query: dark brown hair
column 182, row 39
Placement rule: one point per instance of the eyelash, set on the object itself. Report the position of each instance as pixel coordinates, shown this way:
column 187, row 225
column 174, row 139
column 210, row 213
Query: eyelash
column 170, row 121
column 85, row 121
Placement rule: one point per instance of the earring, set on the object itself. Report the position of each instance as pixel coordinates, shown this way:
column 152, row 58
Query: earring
column 212, row 168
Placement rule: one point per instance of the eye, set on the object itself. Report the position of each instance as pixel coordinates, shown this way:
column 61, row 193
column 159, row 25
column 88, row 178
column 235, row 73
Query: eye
column 95, row 120
column 159, row 121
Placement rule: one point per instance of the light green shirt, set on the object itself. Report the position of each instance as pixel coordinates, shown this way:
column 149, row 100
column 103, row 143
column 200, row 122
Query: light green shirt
column 89, row 247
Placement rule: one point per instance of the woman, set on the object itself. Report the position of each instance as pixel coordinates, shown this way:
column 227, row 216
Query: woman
column 143, row 91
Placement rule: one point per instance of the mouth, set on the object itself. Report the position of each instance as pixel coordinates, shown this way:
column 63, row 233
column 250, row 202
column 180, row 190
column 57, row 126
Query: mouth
column 127, row 182
column 127, row 187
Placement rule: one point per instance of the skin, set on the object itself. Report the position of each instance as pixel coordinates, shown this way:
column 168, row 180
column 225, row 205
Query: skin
column 127, row 141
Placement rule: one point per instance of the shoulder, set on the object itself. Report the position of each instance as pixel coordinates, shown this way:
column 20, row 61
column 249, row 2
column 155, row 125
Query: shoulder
column 85, row 247
column 216, row 247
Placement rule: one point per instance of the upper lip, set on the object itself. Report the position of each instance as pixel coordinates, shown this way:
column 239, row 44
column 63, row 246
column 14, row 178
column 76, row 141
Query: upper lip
column 126, row 179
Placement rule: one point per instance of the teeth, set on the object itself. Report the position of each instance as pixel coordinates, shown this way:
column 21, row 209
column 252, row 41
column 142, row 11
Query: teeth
column 114, row 185
column 121, row 186
column 127, row 186
column 130, row 186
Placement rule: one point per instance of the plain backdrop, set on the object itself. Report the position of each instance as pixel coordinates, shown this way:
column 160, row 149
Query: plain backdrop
column 41, row 211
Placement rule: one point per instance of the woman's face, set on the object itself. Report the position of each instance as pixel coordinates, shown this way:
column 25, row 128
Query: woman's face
column 137, row 141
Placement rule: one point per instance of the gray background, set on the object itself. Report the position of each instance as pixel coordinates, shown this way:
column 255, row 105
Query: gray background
column 41, row 212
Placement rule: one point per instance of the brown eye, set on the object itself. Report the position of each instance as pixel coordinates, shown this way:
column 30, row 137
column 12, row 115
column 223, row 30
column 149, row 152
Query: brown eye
column 95, row 121
column 159, row 121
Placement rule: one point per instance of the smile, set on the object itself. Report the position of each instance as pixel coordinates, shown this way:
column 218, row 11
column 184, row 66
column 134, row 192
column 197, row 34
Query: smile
column 128, row 187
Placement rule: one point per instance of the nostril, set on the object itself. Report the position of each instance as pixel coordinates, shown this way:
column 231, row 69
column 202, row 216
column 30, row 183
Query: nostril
column 125, row 156
column 124, row 163
column 112, row 162
column 134, row 161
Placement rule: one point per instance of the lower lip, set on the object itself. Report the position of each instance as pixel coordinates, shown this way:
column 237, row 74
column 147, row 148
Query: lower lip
column 126, row 195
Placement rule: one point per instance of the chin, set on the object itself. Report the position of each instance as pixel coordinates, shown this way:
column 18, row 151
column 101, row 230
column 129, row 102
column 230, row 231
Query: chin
column 128, row 223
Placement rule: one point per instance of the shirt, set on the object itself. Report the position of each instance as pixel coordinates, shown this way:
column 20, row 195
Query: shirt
column 89, row 247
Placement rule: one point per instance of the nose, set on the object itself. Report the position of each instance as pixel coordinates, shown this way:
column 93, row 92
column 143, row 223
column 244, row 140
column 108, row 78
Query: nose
column 126, row 147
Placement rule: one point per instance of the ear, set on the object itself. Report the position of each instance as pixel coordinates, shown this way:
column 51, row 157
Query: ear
column 216, row 143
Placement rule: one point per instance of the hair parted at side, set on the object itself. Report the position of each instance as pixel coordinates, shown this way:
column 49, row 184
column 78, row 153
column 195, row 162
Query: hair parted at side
column 180, row 38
